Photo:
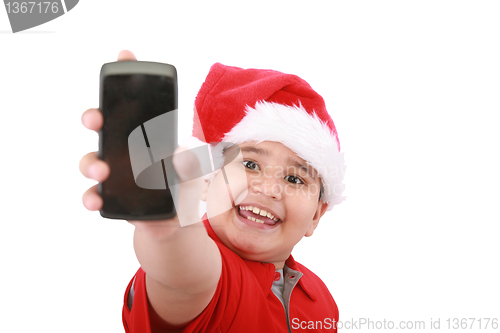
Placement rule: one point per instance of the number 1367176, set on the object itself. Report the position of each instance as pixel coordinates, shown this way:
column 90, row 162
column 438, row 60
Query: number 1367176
column 472, row 323
column 32, row 7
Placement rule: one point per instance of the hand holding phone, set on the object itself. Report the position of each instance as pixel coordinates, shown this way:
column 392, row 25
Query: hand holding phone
column 140, row 163
column 94, row 168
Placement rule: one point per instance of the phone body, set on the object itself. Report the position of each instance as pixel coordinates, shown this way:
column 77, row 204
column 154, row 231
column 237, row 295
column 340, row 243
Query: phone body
column 138, row 101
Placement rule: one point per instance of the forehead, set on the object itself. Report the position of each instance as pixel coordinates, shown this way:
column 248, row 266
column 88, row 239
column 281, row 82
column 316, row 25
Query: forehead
column 270, row 149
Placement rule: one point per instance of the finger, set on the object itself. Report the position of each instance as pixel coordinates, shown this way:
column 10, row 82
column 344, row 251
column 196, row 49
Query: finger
column 91, row 199
column 92, row 119
column 126, row 55
column 94, row 168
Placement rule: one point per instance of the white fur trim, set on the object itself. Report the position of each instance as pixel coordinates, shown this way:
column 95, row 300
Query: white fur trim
column 305, row 134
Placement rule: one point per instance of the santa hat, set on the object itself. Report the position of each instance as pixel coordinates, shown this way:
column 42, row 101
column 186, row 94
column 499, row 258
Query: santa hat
column 238, row 105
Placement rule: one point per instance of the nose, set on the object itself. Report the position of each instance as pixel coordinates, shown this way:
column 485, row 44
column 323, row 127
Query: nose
column 268, row 186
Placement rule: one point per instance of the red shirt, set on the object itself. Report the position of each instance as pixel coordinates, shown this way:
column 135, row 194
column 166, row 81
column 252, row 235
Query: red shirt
column 244, row 302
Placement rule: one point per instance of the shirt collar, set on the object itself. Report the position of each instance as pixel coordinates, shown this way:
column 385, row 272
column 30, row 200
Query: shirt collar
column 264, row 272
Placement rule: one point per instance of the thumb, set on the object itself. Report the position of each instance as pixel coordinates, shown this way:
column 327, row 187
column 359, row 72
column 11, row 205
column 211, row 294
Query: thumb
column 190, row 187
column 186, row 164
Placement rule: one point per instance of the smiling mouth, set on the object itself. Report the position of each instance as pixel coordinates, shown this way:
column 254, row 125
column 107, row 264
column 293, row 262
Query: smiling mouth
column 257, row 215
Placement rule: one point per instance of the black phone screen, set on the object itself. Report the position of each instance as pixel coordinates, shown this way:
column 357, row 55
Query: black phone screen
column 128, row 101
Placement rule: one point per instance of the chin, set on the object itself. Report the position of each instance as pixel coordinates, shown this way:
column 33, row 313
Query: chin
column 249, row 244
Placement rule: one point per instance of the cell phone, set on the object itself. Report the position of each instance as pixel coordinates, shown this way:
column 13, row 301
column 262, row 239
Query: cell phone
column 138, row 101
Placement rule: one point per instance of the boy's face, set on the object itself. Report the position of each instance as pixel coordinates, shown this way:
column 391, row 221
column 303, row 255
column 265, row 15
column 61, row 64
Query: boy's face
column 278, row 182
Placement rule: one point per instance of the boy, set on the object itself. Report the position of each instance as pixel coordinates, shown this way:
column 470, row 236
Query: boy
column 236, row 274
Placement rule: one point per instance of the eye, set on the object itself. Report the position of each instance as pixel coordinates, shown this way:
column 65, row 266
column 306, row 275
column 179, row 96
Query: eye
column 294, row 179
column 251, row 165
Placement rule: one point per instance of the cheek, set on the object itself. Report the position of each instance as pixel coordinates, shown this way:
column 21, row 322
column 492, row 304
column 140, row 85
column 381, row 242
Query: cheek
column 237, row 182
column 222, row 196
column 302, row 209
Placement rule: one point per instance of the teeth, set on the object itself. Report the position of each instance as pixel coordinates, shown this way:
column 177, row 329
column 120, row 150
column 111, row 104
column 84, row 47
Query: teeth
column 255, row 220
column 261, row 212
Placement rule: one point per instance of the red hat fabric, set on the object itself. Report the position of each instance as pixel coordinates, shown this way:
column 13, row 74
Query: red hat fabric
column 237, row 105
column 228, row 90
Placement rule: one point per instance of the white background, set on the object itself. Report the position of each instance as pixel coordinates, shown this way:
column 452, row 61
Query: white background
column 413, row 87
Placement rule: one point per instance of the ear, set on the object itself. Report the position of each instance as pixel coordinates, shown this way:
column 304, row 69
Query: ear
column 322, row 206
column 204, row 194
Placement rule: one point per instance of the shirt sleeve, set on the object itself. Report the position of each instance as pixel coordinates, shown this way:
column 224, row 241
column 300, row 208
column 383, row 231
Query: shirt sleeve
column 137, row 318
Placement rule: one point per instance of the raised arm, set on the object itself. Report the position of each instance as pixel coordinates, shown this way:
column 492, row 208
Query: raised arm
column 182, row 264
